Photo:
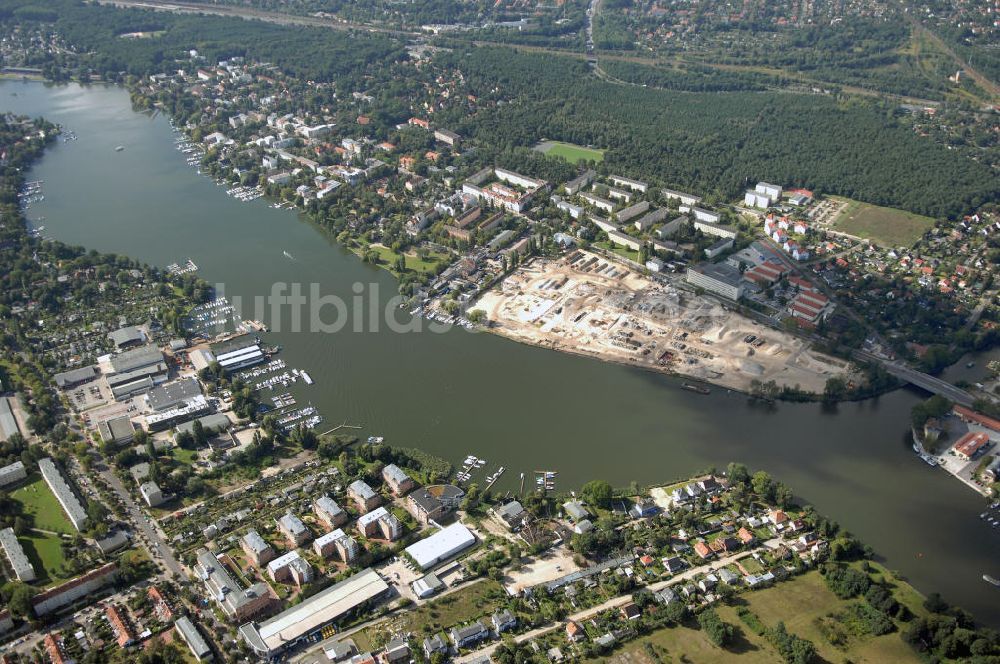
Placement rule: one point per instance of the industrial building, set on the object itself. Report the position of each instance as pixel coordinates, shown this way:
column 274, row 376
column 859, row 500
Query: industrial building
column 19, row 562
column 237, row 353
column 307, row 619
column 74, row 377
column 719, row 278
column 117, row 430
column 441, row 545
column 193, row 407
column 173, row 394
column 63, row 493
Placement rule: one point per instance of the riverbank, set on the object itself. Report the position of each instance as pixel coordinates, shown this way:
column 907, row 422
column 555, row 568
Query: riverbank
column 435, row 390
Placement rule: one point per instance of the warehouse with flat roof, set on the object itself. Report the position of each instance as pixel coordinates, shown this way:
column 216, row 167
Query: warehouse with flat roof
column 441, row 545
column 300, row 622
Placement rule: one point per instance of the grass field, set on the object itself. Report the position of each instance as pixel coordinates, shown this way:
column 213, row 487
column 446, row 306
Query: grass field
column 38, row 501
column 570, row 152
column 46, row 556
column 181, row 455
column 459, row 607
column 885, row 226
column 800, row 603
column 387, row 258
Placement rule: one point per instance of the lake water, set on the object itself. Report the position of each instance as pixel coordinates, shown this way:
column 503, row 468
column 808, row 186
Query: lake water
column 462, row 393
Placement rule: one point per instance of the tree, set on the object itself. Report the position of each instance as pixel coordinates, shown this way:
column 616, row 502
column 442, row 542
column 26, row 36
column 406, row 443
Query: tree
column 762, row 484
column 716, row 629
column 19, row 596
column 598, row 492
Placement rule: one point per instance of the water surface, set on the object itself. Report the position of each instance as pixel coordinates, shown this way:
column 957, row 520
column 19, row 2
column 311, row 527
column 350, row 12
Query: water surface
column 459, row 393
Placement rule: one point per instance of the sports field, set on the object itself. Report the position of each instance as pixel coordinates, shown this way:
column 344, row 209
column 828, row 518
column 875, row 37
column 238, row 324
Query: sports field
column 570, row 152
column 887, row 227
column 39, row 503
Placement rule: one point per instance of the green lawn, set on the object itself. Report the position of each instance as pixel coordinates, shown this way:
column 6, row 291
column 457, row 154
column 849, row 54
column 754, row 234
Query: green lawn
column 800, row 603
column 885, row 226
column 38, row 501
column 625, row 252
column 181, row 455
column 570, row 152
column 46, row 556
column 387, row 257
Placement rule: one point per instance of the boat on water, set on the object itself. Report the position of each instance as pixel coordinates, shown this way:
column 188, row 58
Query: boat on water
column 375, row 439
column 288, row 255
column 969, row 365
column 306, row 377
column 119, row 148
column 991, row 580
column 699, row 389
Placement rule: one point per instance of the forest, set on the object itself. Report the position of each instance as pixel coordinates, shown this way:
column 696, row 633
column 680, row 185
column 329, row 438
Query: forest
column 716, row 143
column 309, row 53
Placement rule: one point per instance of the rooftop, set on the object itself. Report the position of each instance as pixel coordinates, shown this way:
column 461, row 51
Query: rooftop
column 313, row 613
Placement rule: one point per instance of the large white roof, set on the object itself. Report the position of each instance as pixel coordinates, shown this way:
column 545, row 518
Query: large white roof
column 442, row 544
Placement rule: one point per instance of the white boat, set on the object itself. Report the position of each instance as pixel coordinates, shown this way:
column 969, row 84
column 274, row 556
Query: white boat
column 288, row 255
column 307, row 378
column 375, row 439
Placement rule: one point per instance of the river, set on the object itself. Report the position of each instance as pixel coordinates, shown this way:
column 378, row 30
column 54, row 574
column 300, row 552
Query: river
column 457, row 393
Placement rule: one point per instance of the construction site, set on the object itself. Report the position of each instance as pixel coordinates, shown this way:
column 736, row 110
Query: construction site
column 585, row 304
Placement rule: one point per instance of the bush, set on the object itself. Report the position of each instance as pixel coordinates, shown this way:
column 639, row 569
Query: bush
column 846, row 582
column 751, row 620
column 716, row 629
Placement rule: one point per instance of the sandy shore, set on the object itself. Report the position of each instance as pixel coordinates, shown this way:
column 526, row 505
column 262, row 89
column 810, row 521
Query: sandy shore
column 589, row 306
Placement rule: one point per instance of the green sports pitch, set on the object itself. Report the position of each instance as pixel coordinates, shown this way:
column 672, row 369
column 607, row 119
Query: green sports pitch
column 570, row 152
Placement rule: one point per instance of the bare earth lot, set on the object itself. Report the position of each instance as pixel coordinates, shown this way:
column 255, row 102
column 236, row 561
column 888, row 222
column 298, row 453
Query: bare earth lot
column 611, row 313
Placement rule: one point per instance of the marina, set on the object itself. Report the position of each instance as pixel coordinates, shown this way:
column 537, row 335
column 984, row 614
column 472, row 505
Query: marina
column 526, row 406
column 187, row 268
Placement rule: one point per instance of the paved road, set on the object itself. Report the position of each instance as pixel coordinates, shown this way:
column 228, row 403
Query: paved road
column 157, row 544
column 921, row 380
